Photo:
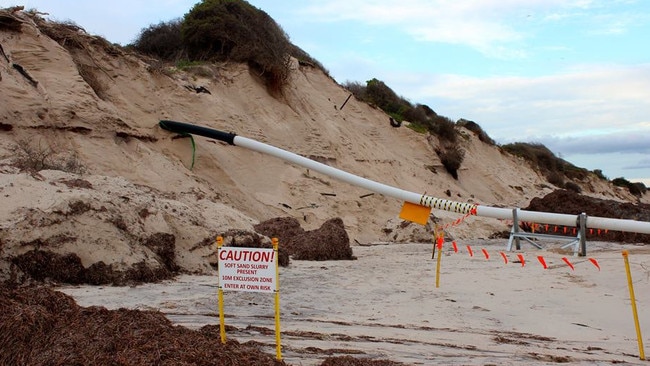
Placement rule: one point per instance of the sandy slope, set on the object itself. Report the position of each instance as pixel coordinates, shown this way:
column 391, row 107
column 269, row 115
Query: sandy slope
column 101, row 105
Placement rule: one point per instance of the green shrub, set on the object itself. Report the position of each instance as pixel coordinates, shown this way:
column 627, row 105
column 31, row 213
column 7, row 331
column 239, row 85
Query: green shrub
column 304, row 58
column 538, row 154
column 572, row 171
column 474, row 127
column 620, row 182
column 379, row 94
column 540, row 157
column 421, row 116
column 357, row 89
column 637, row 188
column 234, row 30
column 444, row 128
column 162, row 40
column 414, row 115
column 600, row 175
column 226, row 30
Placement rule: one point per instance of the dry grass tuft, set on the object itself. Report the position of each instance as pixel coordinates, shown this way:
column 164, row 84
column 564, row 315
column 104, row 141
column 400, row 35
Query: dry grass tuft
column 36, row 157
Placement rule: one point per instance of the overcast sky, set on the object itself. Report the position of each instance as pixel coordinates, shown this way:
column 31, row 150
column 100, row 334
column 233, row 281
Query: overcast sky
column 571, row 74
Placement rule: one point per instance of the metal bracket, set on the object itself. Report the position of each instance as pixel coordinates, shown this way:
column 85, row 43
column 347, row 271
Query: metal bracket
column 578, row 242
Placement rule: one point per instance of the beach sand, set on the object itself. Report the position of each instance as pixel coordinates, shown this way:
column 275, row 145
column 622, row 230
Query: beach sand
column 385, row 305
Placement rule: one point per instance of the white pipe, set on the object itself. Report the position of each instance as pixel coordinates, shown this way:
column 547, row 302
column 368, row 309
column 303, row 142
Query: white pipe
column 443, row 204
column 528, row 216
column 416, row 198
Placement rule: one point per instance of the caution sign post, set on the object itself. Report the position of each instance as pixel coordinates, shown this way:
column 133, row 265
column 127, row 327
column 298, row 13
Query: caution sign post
column 251, row 270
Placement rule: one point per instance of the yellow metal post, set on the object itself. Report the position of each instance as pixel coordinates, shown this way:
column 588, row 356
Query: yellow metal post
column 639, row 338
column 278, row 346
column 439, row 243
column 222, row 322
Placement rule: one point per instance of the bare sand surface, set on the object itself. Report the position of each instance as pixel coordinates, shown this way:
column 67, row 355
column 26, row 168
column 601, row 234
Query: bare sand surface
column 385, row 305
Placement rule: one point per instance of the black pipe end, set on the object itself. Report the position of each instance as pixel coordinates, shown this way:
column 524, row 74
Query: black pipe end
column 180, row 127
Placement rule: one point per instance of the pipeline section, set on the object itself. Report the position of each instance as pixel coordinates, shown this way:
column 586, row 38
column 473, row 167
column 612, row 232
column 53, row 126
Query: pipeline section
column 403, row 195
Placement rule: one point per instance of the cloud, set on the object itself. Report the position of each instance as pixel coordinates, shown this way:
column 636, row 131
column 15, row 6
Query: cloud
column 474, row 24
column 641, row 164
column 582, row 101
column 613, row 18
column 624, row 142
column 495, row 28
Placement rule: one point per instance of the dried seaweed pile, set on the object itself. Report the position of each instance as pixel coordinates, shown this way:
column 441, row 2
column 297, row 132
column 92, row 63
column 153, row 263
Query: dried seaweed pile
column 351, row 361
column 568, row 202
column 42, row 266
column 39, row 326
column 329, row 242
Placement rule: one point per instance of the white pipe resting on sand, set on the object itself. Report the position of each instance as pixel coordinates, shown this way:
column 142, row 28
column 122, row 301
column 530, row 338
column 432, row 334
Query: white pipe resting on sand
column 412, row 197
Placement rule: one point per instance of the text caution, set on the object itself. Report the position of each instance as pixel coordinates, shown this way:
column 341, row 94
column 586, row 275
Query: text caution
column 247, row 269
